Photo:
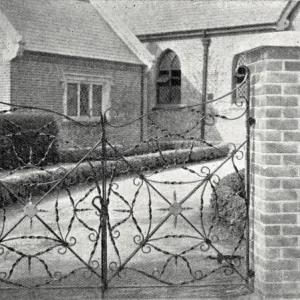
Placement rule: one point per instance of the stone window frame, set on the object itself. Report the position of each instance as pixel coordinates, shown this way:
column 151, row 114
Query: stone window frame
column 169, row 78
column 104, row 81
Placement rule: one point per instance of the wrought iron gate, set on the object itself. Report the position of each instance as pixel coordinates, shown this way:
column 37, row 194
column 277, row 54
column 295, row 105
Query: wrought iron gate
column 151, row 230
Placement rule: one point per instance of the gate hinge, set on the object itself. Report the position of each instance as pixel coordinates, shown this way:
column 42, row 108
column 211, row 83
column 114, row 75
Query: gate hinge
column 251, row 121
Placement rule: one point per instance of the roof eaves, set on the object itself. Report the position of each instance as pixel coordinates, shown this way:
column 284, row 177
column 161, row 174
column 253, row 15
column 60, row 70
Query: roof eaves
column 208, row 32
column 13, row 40
column 127, row 36
column 284, row 20
column 85, row 56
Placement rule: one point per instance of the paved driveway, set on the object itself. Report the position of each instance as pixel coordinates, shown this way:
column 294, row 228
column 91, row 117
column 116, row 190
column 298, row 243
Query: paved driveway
column 137, row 209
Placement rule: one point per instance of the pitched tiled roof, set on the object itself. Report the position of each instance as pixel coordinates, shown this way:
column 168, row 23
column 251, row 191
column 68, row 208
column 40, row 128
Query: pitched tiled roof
column 67, row 27
column 123, row 31
column 165, row 16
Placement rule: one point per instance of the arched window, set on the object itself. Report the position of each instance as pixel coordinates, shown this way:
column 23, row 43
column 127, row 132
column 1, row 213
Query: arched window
column 169, row 79
column 238, row 61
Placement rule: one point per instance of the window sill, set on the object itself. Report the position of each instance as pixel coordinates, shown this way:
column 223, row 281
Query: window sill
column 168, row 106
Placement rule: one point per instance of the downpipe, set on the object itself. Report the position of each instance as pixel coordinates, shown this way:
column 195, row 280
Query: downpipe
column 206, row 44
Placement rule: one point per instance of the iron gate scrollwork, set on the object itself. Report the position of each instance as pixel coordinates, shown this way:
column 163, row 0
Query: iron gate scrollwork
column 154, row 228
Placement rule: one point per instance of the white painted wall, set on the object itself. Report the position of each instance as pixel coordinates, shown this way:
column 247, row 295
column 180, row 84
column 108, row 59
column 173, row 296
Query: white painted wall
column 222, row 51
column 5, row 84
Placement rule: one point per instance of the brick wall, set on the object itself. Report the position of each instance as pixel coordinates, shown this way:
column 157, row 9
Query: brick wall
column 275, row 183
column 37, row 79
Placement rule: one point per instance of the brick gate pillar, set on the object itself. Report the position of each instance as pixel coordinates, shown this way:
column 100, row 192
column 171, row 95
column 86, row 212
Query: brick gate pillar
column 275, row 171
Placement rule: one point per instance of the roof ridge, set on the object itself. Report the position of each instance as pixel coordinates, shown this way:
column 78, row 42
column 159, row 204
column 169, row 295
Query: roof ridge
column 126, row 35
column 187, row 16
column 77, row 30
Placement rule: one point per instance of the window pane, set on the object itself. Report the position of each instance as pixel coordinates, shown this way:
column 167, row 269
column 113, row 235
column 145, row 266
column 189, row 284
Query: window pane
column 165, row 63
column 163, row 78
column 176, row 81
column 97, row 100
column 175, row 64
column 84, row 100
column 164, row 73
column 163, row 94
column 72, row 99
column 176, row 73
column 175, row 94
column 169, row 79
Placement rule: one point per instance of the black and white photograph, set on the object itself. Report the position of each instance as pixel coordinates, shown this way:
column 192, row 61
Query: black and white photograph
column 149, row 149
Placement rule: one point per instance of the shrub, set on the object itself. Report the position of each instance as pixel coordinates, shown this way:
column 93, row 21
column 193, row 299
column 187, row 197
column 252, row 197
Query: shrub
column 228, row 202
column 73, row 155
column 26, row 138
column 32, row 179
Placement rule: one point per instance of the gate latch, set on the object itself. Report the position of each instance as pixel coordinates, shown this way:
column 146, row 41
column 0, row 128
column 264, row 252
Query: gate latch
column 251, row 273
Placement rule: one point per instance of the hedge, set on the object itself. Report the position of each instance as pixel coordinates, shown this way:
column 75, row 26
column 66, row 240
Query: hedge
column 27, row 138
column 73, row 155
column 228, row 202
column 40, row 181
